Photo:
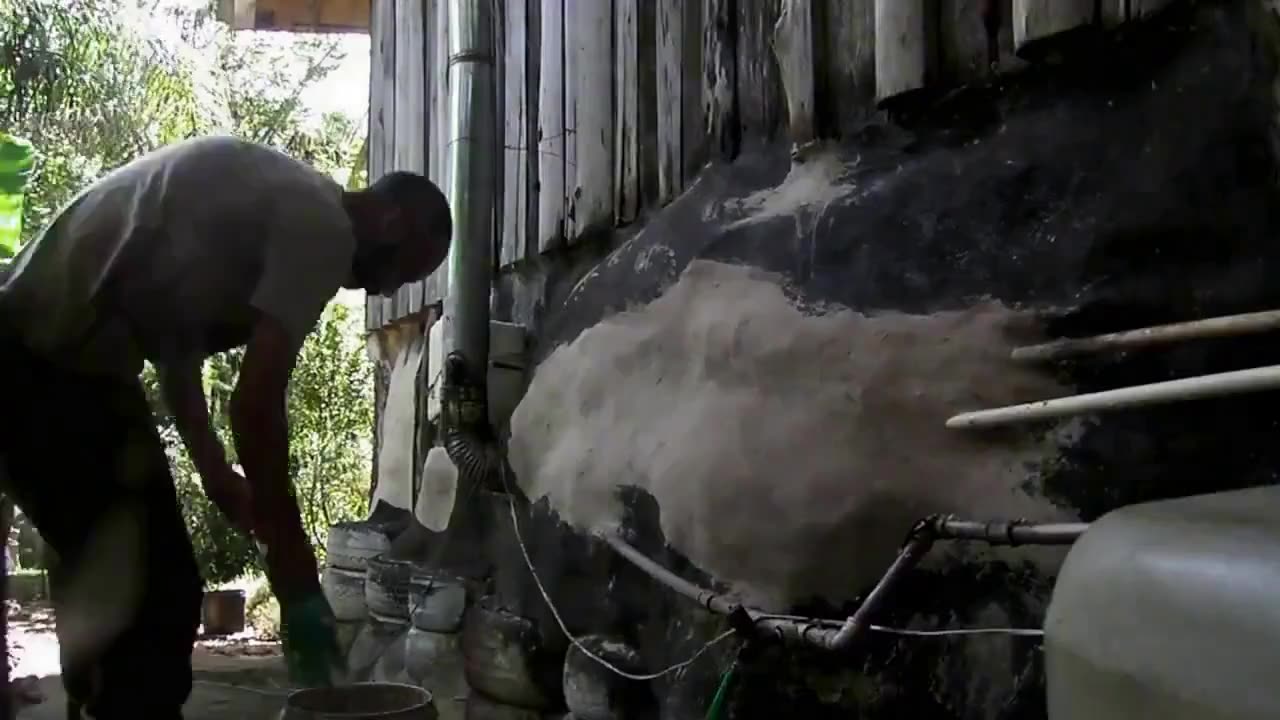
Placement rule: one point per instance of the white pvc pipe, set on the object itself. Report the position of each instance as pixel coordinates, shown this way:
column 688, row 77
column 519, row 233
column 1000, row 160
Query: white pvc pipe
column 1222, row 326
column 1193, row 388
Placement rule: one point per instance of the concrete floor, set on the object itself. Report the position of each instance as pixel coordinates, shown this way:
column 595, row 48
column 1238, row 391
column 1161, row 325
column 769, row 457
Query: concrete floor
column 240, row 682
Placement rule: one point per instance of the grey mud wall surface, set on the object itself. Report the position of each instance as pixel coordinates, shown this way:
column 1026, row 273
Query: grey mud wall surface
column 753, row 382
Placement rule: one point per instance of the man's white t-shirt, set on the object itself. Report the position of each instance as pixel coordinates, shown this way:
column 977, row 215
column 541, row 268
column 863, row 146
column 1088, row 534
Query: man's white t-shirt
column 174, row 254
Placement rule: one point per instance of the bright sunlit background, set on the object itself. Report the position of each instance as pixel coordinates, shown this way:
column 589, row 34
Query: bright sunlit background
column 345, row 90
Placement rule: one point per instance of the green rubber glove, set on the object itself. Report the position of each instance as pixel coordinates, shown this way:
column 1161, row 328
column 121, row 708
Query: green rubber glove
column 309, row 632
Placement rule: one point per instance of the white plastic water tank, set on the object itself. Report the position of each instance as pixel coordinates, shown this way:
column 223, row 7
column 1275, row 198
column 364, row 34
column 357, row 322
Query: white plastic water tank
column 439, row 491
column 1170, row 610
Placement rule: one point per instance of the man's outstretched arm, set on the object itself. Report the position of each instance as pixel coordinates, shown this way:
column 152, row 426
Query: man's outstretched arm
column 260, row 426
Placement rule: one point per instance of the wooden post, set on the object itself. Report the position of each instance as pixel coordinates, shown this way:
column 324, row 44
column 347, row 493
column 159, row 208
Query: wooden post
column 902, row 47
column 720, row 78
column 793, row 46
column 382, row 87
column 1036, row 20
column 382, row 95
column 551, row 128
column 409, row 144
column 515, row 138
column 590, row 110
column 1116, row 12
column 626, row 121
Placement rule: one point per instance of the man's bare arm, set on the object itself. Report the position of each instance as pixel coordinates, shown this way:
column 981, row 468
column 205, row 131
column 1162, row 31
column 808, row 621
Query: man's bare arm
column 260, row 426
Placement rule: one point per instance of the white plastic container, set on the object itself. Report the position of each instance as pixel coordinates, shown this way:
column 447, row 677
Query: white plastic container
column 1169, row 610
column 439, row 491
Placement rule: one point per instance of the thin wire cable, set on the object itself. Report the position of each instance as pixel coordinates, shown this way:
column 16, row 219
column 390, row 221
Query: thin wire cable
column 256, row 691
column 546, row 597
column 1023, row 632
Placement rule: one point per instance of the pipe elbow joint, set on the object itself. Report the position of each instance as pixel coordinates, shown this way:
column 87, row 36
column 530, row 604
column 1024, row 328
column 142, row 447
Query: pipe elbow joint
column 469, row 440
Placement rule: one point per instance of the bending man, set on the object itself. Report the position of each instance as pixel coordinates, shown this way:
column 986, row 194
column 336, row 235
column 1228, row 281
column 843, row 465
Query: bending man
column 197, row 248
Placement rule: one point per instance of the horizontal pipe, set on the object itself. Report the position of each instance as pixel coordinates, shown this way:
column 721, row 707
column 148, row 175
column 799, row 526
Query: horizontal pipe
column 1007, row 533
column 1194, row 388
column 1223, row 326
column 834, row 635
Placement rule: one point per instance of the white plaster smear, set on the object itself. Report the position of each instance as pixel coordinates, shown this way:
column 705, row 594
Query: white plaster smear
column 789, row 453
column 813, row 184
column 395, row 454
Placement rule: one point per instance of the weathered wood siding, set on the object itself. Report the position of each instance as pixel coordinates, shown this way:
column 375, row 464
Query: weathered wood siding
column 407, row 114
column 610, row 108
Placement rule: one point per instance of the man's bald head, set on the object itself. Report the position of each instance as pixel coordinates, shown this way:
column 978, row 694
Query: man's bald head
column 404, row 226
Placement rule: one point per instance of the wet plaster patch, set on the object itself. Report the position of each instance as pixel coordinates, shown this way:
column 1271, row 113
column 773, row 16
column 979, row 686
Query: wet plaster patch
column 773, row 437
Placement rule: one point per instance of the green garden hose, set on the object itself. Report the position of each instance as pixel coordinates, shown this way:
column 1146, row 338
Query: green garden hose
column 716, row 710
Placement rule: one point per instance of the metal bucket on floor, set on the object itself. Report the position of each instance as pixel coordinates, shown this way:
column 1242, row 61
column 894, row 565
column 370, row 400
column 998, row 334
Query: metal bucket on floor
column 361, row 701
column 222, row 612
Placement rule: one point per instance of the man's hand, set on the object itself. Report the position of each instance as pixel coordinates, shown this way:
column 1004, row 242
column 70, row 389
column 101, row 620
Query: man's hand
column 309, row 632
column 231, row 493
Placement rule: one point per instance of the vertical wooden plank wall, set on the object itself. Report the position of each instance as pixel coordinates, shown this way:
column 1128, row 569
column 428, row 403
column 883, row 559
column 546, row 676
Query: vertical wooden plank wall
column 411, row 126
column 382, row 77
column 1035, row 20
column 847, row 43
column 680, row 124
column 440, row 111
column 436, row 58
column 694, row 143
column 670, row 99
column 963, row 39
column 589, row 34
column 610, row 108
column 552, row 133
column 761, row 107
column 382, row 87
column 410, row 150
column 403, row 84
column 626, row 140
column 513, row 221
column 902, row 46
column 568, row 83
column 647, row 99
column 720, row 77
column 793, row 42
column 1115, row 12
column 636, row 147
column 532, row 93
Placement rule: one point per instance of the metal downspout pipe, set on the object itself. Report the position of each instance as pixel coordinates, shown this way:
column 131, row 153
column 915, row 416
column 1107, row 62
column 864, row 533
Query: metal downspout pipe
column 471, row 159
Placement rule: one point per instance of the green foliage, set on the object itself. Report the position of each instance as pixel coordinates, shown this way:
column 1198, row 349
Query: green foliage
column 88, row 91
column 330, row 413
column 262, row 612
column 83, row 82
column 15, row 174
column 91, row 89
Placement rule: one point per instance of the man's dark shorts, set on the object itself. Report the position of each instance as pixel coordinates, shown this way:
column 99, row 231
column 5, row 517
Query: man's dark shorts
column 82, row 458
